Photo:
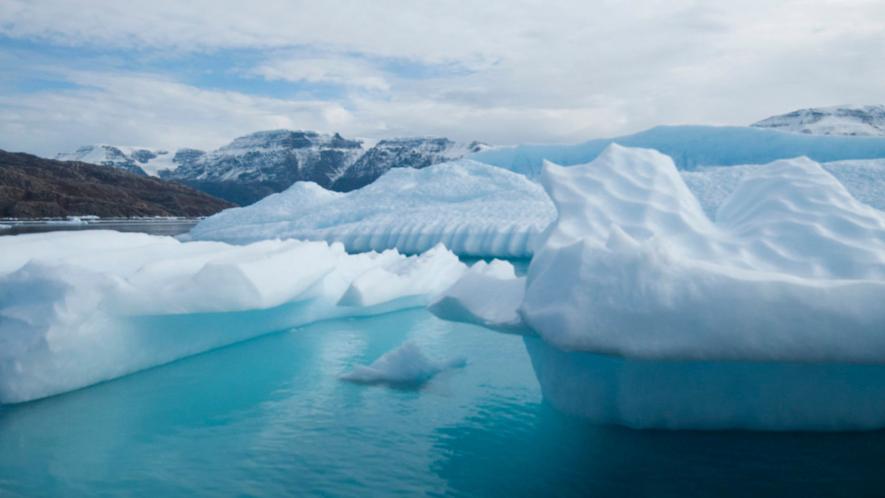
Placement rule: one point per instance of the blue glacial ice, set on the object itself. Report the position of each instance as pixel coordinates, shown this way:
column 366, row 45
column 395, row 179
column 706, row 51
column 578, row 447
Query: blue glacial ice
column 481, row 211
column 652, row 314
column 473, row 209
column 77, row 308
column 693, row 146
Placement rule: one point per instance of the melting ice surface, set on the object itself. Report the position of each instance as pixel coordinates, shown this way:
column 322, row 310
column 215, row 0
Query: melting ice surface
column 472, row 208
column 768, row 316
column 77, row 308
column 477, row 210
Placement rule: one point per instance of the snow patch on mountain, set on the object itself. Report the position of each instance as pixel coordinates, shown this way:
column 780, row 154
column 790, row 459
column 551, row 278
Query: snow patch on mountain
column 256, row 165
column 276, row 156
column 138, row 160
column 852, row 120
column 403, row 153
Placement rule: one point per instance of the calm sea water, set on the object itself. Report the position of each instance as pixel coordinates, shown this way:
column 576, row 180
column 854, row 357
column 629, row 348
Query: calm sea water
column 154, row 226
column 270, row 417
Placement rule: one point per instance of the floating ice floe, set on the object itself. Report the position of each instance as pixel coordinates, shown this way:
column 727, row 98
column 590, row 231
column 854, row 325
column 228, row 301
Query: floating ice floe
column 472, row 208
column 651, row 314
column 77, row 308
column 406, row 365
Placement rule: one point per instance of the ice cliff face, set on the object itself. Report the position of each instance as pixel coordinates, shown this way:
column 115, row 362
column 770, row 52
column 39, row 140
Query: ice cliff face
column 256, row 165
column 866, row 120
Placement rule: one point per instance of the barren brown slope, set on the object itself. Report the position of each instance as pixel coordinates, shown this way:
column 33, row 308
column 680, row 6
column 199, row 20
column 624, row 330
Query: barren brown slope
column 33, row 187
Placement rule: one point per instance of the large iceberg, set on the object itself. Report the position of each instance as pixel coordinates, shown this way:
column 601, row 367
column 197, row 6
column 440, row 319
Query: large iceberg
column 472, row 208
column 652, row 314
column 78, row 308
column 692, row 147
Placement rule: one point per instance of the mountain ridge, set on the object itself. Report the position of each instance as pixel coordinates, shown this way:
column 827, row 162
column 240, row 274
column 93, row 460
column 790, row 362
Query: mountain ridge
column 253, row 166
column 35, row 187
column 843, row 120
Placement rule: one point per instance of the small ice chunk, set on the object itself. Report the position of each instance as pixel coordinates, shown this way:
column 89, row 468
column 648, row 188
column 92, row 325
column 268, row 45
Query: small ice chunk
column 406, row 365
column 488, row 294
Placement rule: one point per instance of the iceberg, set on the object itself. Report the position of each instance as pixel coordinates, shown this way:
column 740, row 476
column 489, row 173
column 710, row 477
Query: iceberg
column 692, row 147
column 475, row 209
column 650, row 313
column 404, row 366
column 472, row 208
column 77, row 308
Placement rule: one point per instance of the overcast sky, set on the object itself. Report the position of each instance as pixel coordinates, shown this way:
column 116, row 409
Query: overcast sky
column 198, row 73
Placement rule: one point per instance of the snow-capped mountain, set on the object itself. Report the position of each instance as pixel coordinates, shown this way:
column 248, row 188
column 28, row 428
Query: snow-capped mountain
column 273, row 156
column 265, row 162
column 866, row 120
column 138, row 160
column 415, row 153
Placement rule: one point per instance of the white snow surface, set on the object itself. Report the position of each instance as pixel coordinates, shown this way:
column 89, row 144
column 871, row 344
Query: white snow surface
column 791, row 268
column 851, row 120
column 864, row 179
column 652, row 314
column 406, row 365
column 472, row 208
column 77, row 308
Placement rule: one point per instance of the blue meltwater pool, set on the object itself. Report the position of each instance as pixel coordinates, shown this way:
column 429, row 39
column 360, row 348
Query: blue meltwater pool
column 271, row 417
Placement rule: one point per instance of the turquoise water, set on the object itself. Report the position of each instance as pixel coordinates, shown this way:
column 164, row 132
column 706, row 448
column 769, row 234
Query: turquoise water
column 269, row 417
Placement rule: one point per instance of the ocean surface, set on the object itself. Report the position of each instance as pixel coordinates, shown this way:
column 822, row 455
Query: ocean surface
column 271, row 417
column 153, row 226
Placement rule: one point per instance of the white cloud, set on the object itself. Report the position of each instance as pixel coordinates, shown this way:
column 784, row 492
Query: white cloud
column 537, row 70
column 138, row 109
column 339, row 70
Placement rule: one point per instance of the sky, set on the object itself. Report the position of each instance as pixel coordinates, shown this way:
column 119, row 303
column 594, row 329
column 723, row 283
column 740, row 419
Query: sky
column 168, row 73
